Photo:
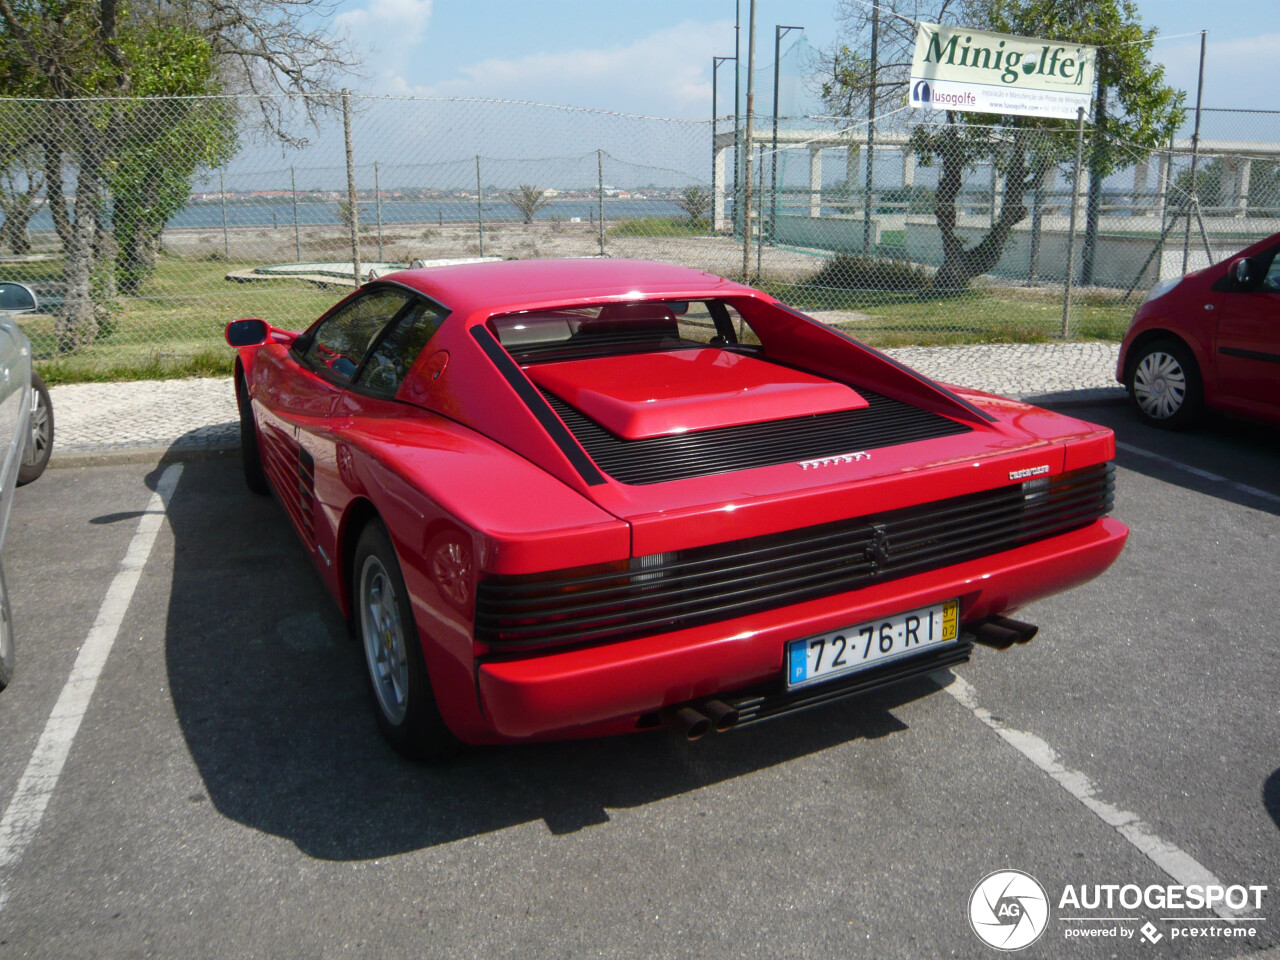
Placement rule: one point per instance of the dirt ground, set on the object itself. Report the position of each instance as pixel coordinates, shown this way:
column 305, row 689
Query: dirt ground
column 719, row 255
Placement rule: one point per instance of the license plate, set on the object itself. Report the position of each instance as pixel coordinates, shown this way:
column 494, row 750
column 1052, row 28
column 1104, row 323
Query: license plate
column 857, row 648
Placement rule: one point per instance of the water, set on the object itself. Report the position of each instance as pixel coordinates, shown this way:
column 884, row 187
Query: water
column 275, row 212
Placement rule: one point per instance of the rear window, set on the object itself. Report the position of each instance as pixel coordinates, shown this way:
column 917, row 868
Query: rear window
column 632, row 327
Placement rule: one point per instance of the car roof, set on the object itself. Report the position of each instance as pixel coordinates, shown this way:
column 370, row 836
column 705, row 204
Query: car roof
column 510, row 285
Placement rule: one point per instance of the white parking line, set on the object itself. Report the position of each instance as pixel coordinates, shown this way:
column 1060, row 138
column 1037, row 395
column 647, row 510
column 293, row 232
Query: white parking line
column 1177, row 863
column 26, row 809
column 1197, row 472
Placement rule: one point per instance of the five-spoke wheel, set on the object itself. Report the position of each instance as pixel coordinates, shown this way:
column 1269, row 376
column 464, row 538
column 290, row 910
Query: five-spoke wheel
column 404, row 703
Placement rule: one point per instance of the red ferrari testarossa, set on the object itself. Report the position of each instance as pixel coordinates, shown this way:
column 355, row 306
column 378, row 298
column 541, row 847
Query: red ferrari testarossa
column 574, row 497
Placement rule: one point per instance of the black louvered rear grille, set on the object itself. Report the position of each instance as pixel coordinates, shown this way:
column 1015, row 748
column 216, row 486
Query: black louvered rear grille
column 589, row 347
column 665, row 592
column 883, row 423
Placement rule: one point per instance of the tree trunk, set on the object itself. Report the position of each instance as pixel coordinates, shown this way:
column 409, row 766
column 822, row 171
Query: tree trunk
column 16, row 217
column 77, row 326
column 960, row 264
column 1093, row 206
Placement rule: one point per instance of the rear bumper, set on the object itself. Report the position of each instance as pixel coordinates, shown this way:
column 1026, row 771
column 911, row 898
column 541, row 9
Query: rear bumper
column 611, row 685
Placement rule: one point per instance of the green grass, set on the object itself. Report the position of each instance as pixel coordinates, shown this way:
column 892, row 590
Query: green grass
column 659, row 227
column 990, row 315
column 174, row 327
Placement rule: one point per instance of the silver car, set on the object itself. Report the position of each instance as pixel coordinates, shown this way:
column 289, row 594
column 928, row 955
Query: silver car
column 26, row 432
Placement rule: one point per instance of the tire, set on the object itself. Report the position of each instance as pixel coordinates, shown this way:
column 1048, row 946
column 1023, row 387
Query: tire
column 6, row 636
column 1164, row 382
column 403, row 702
column 255, row 478
column 39, row 446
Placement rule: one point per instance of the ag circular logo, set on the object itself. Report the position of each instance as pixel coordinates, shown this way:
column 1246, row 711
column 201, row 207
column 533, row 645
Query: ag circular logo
column 1008, row 910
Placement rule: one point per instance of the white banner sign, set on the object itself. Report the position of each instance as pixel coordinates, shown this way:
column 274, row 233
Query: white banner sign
column 980, row 72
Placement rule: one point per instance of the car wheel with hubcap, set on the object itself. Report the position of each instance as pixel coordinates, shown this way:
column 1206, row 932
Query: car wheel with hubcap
column 404, row 704
column 39, row 445
column 1164, row 382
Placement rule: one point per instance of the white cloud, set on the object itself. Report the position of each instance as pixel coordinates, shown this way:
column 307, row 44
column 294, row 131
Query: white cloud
column 385, row 32
column 664, row 73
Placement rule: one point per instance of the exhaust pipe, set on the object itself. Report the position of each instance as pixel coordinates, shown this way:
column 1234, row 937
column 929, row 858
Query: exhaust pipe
column 723, row 717
column 1002, row 632
column 686, row 721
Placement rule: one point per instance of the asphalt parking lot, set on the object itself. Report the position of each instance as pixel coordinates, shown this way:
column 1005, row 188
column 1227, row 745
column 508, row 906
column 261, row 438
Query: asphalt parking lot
column 226, row 793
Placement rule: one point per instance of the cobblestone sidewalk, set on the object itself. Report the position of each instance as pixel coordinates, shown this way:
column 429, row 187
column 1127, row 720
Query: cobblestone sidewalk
column 196, row 414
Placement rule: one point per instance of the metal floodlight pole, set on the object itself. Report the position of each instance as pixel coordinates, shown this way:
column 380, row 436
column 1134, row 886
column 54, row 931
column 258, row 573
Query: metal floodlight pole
column 297, row 234
column 715, row 103
column 751, row 106
column 351, row 186
column 779, row 31
column 871, row 130
column 737, row 104
column 1195, row 155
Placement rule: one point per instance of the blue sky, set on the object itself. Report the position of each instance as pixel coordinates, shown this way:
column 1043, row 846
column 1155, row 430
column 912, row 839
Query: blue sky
column 654, row 56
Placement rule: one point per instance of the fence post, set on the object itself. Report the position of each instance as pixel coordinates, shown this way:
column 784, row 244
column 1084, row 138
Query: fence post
column 1037, row 224
column 1195, row 157
column 377, row 202
column 760, row 217
column 1166, row 178
column 479, row 206
column 351, row 186
column 297, row 234
column 751, row 112
column 222, row 195
column 1071, row 228
column 600, row 196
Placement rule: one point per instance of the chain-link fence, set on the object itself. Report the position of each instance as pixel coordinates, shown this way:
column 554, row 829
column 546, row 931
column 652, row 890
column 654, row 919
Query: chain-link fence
column 143, row 226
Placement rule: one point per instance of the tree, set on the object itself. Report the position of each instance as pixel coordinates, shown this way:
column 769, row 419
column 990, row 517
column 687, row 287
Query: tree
column 528, row 200
column 171, row 135
column 1141, row 111
column 695, row 202
column 86, row 59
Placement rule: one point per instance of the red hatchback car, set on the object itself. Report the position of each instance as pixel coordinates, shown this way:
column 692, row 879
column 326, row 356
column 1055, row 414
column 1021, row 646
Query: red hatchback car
column 579, row 497
column 1209, row 339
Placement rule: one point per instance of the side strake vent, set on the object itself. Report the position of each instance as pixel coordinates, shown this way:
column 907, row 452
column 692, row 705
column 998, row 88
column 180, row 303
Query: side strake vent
column 307, row 494
column 883, row 423
column 292, row 473
column 657, row 594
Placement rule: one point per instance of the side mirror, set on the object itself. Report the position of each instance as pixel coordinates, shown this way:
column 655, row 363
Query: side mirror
column 1242, row 272
column 17, row 298
column 247, row 333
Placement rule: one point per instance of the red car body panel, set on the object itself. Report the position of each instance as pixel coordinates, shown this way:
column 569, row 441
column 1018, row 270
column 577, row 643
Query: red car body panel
column 1233, row 333
column 535, row 696
column 686, row 390
column 470, row 483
